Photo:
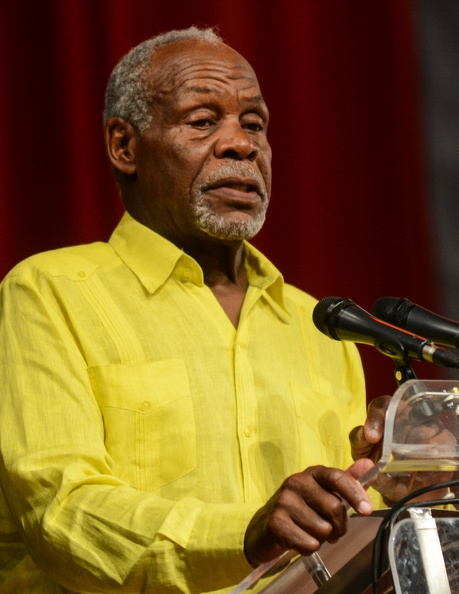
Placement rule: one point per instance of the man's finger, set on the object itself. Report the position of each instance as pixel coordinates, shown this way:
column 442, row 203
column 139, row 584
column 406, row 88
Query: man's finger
column 345, row 485
column 374, row 424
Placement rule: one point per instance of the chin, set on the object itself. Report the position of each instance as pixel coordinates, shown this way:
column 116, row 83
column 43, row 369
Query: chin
column 221, row 228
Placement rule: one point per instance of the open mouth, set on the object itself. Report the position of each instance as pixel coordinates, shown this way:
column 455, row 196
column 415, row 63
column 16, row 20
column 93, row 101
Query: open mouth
column 237, row 188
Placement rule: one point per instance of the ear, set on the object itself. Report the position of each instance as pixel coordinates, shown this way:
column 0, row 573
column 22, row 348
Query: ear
column 121, row 142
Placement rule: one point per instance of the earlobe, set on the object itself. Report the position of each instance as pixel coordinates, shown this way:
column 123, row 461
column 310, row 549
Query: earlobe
column 120, row 142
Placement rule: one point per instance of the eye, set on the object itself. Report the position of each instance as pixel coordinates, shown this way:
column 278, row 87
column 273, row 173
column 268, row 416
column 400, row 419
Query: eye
column 254, row 127
column 201, row 123
column 253, row 123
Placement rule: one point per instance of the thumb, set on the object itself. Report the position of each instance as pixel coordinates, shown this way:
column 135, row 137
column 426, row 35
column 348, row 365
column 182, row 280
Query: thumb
column 359, row 468
column 360, row 447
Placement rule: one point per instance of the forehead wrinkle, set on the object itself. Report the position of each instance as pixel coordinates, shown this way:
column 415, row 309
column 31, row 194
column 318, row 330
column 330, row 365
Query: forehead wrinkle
column 179, row 73
column 203, row 90
column 210, row 90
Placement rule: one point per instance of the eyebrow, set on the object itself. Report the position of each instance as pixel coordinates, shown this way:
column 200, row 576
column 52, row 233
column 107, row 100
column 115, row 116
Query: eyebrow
column 210, row 89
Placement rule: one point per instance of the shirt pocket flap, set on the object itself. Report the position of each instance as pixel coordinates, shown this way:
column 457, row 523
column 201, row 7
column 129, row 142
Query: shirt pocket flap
column 149, row 420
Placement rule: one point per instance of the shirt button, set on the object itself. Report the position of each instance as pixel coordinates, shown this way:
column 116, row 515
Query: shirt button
column 247, row 432
column 238, row 348
column 146, row 406
column 81, row 274
column 186, row 275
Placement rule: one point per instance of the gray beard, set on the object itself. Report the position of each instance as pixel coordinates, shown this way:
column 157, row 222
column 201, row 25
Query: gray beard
column 217, row 225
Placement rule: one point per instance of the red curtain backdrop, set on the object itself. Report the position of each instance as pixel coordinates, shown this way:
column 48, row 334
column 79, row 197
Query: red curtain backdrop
column 348, row 211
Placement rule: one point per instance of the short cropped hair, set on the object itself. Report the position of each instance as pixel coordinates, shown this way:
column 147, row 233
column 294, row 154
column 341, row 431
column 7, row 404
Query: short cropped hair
column 128, row 94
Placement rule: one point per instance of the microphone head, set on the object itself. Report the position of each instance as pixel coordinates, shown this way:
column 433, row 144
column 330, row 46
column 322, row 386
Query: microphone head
column 326, row 313
column 394, row 310
column 414, row 318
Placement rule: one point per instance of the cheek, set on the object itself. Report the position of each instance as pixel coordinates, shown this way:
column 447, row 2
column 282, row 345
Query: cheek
column 177, row 169
column 187, row 162
column 266, row 170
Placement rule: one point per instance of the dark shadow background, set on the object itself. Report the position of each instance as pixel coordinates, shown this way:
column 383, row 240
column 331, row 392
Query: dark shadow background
column 356, row 208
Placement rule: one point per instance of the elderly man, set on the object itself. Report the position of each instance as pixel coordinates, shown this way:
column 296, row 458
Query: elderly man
column 170, row 417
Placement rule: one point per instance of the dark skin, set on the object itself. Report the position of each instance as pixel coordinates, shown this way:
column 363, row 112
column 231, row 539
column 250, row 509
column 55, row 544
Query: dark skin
column 207, row 144
column 208, row 111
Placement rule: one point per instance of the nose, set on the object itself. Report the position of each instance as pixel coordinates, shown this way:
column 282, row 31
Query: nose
column 234, row 142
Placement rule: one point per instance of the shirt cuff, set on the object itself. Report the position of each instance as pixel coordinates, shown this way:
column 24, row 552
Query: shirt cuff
column 215, row 550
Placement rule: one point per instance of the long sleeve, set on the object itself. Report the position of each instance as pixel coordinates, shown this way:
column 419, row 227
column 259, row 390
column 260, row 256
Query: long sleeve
column 86, row 527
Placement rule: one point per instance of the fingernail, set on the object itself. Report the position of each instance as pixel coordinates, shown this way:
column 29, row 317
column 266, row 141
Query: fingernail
column 365, row 508
column 373, row 433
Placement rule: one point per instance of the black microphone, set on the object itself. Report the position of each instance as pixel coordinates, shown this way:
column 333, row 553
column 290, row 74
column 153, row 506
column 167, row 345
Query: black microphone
column 342, row 319
column 406, row 314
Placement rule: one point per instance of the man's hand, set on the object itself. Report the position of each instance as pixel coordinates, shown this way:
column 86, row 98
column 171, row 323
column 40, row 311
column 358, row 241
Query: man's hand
column 366, row 442
column 309, row 509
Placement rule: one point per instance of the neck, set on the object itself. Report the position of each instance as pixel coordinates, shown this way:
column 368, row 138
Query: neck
column 225, row 275
column 222, row 263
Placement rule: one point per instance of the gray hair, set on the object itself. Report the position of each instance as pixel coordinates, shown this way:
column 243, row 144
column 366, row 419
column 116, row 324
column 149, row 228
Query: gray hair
column 128, row 94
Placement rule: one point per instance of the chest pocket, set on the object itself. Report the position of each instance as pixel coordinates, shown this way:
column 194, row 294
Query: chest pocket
column 149, row 421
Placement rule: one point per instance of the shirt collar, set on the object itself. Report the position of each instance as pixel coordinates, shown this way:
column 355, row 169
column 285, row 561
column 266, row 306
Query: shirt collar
column 262, row 273
column 154, row 259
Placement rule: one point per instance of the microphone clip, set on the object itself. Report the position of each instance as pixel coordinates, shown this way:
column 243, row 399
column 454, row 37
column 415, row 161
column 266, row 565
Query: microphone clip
column 403, row 371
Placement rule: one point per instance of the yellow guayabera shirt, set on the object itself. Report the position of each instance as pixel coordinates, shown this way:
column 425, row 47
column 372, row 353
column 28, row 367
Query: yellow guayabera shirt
column 139, row 430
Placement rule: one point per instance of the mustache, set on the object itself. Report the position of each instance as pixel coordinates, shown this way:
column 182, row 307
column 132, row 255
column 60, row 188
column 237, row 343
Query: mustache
column 238, row 169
